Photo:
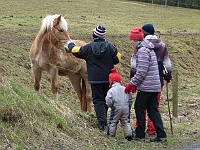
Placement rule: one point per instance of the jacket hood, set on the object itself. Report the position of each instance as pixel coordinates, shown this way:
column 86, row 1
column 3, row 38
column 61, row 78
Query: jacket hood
column 115, row 83
column 154, row 40
column 99, row 47
column 145, row 43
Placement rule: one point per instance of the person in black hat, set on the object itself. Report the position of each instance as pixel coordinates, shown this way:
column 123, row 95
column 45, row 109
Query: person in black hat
column 100, row 56
column 148, row 29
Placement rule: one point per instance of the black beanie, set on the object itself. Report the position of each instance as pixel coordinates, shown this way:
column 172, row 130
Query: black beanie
column 148, row 29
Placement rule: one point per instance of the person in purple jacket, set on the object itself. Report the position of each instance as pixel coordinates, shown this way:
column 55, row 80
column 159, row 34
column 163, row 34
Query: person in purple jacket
column 163, row 61
column 147, row 81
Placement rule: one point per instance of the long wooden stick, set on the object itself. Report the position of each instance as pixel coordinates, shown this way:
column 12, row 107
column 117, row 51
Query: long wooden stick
column 169, row 109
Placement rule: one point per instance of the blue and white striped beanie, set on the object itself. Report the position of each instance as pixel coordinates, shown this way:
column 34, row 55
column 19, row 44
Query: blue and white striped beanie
column 99, row 32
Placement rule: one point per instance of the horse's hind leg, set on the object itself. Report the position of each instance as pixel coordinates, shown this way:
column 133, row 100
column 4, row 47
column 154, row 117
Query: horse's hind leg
column 83, row 98
column 88, row 95
column 37, row 77
column 54, row 78
column 75, row 79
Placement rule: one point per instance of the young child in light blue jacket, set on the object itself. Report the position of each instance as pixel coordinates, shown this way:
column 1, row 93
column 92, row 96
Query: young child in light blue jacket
column 120, row 104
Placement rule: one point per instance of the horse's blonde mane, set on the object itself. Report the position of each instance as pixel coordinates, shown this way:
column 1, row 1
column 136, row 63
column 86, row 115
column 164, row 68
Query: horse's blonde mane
column 47, row 23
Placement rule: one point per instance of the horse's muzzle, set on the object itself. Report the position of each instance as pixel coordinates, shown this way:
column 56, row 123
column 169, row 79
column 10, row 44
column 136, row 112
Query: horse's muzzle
column 66, row 46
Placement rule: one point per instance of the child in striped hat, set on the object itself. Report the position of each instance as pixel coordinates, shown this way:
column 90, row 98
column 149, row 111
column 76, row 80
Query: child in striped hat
column 101, row 56
column 99, row 32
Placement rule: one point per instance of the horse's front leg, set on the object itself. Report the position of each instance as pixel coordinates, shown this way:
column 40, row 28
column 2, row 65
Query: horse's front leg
column 54, row 82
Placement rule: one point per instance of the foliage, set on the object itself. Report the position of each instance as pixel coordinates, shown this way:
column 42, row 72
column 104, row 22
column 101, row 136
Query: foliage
column 179, row 3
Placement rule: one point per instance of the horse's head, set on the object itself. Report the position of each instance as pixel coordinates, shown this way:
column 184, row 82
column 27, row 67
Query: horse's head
column 59, row 29
column 56, row 27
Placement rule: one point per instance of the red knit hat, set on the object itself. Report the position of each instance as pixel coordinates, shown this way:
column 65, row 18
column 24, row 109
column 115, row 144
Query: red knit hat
column 136, row 34
column 114, row 76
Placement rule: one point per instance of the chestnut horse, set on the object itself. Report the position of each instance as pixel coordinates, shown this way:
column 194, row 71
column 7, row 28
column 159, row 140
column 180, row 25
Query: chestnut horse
column 47, row 53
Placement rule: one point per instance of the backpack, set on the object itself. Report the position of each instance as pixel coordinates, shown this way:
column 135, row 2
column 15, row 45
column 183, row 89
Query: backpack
column 162, row 69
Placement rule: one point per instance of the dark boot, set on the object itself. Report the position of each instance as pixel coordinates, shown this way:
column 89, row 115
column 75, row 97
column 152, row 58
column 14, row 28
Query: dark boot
column 102, row 125
column 137, row 139
column 157, row 139
column 129, row 138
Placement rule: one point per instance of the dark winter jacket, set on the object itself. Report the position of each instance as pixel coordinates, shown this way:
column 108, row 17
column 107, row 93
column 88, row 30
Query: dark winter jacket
column 100, row 56
column 162, row 57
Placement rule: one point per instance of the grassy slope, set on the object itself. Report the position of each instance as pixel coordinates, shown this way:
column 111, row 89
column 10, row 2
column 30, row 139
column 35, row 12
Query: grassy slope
column 31, row 120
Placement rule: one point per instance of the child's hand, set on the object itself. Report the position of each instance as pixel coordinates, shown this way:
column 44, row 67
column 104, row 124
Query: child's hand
column 128, row 88
column 134, row 89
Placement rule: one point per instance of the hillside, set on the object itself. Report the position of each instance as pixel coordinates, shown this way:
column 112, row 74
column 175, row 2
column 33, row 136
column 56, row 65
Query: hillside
column 31, row 120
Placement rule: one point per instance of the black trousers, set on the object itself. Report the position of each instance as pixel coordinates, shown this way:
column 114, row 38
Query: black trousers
column 148, row 101
column 99, row 92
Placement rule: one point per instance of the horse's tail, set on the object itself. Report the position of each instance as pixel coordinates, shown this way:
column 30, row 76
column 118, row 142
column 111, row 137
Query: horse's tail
column 84, row 101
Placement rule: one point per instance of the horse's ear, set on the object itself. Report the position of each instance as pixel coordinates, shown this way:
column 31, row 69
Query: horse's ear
column 59, row 18
column 57, row 21
column 65, row 16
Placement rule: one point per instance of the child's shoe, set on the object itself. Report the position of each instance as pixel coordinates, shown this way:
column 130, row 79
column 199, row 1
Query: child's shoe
column 106, row 134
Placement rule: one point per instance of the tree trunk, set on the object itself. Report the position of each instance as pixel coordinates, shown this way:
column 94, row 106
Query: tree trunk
column 165, row 2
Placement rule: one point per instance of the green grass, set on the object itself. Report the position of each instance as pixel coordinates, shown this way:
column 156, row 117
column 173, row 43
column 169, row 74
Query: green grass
column 33, row 120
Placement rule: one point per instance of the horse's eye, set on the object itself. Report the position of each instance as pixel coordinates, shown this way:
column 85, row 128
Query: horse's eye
column 61, row 30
